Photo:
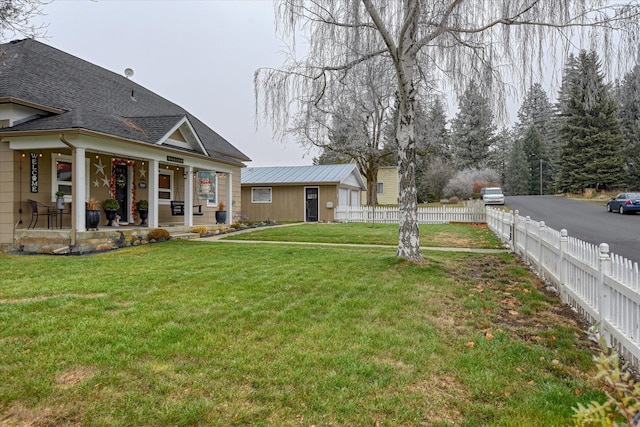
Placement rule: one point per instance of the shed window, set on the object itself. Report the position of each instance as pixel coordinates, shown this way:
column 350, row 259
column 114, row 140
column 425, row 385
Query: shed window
column 380, row 186
column 343, row 197
column 355, row 198
column 261, row 195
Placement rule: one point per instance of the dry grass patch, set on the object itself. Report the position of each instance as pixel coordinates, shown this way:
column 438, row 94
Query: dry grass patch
column 74, row 376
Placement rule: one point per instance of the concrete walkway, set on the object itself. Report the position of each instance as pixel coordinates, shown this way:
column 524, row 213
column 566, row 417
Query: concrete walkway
column 221, row 238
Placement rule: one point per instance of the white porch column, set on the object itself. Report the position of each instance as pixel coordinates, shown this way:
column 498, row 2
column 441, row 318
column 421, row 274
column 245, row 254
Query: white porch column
column 79, row 190
column 154, row 169
column 229, row 198
column 188, row 196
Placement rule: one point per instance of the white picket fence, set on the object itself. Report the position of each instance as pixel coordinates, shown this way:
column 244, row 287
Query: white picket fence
column 472, row 212
column 604, row 288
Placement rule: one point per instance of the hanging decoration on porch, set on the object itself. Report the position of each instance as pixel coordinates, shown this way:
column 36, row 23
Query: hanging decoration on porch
column 117, row 182
column 34, row 172
column 206, row 186
column 99, row 167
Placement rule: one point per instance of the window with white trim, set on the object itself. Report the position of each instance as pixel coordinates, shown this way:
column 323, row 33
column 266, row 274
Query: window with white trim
column 355, row 198
column 62, row 175
column 261, row 194
column 165, row 186
column 343, row 197
column 380, row 186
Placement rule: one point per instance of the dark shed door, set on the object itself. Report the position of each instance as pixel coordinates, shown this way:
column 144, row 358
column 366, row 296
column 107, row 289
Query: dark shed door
column 311, row 204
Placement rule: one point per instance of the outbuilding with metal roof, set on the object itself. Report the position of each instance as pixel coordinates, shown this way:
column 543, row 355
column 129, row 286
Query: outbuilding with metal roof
column 299, row 193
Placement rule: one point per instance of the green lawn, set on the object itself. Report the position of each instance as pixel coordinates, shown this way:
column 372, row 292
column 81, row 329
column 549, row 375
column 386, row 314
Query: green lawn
column 194, row 333
column 446, row 235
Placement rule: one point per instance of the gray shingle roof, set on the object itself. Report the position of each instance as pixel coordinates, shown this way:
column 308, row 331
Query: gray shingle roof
column 317, row 174
column 93, row 98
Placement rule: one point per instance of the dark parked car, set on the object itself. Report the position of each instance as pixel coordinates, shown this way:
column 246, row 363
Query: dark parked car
column 624, row 203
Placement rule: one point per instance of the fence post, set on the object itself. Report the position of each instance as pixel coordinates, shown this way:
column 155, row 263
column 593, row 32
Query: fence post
column 541, row 229
column 514, row 217
column 604, row 268
column 527, row 220
column 564, row 242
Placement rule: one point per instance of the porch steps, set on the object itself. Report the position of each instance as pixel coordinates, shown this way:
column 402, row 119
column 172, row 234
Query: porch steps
column 186, row 236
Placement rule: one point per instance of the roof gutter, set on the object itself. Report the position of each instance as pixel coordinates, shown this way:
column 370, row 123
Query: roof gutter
column 236, row 162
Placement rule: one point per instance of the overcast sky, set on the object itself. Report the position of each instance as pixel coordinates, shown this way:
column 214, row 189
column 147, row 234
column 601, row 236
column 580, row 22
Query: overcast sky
column 200, row 55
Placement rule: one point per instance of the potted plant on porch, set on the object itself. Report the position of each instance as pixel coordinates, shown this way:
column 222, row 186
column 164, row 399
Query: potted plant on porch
column 110, row 207
column 143, row 210
column 59, row 199
column 92, row 215
column 221, row 214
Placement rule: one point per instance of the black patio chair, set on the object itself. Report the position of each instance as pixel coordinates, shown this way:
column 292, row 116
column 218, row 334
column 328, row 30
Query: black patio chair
column 40, row 209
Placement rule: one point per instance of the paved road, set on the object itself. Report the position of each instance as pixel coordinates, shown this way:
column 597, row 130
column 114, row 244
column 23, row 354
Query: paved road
column 583, row 220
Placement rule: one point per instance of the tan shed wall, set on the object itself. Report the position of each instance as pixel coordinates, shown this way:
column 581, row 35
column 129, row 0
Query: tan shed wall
column 288, row 203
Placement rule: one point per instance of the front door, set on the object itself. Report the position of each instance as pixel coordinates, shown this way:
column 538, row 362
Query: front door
column 311, row 204
column 122, row 191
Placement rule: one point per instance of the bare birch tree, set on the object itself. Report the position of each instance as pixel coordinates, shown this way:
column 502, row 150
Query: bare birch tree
column 16, row 18
column 354, row 121
column 454, row 41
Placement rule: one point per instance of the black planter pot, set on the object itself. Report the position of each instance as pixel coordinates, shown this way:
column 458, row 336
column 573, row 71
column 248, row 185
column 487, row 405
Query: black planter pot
column 221, row 217
column 92, row 218
column 144, row 214
column 111, row 215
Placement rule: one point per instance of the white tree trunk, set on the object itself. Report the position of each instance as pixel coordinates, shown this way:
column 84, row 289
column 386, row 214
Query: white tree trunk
column 408, row 233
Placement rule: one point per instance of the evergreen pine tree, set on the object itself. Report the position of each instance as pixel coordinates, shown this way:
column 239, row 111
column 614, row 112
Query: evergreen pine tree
column 432, row 147
column 629, row 99
column 518, row 177
column 472, row 130
column 499, row 156
column 533, row 128
column 558, row 121
column 534, row 149
column 591, row 155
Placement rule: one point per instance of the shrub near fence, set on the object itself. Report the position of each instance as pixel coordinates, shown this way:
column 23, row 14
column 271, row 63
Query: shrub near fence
column 604, row 288
column 473, row 212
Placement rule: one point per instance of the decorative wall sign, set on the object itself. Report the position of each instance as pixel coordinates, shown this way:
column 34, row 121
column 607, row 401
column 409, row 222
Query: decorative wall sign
column 34, row 172
column 175, row 159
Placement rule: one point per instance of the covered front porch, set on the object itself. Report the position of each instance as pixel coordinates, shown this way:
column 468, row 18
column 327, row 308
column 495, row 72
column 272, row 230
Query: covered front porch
column 58, row 183
column 66, row 241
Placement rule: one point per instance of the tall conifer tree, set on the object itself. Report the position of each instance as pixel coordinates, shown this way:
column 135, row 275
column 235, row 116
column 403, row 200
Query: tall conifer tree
column 591, row 155
column 629, row 97
column 473, row 130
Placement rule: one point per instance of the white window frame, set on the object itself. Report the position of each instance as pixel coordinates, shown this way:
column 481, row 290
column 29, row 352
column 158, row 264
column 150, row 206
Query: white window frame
column 343, row 197
column 253, row 199
column 380, row 187
column 355, row 198
column 55, row 184
column 172, row 184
